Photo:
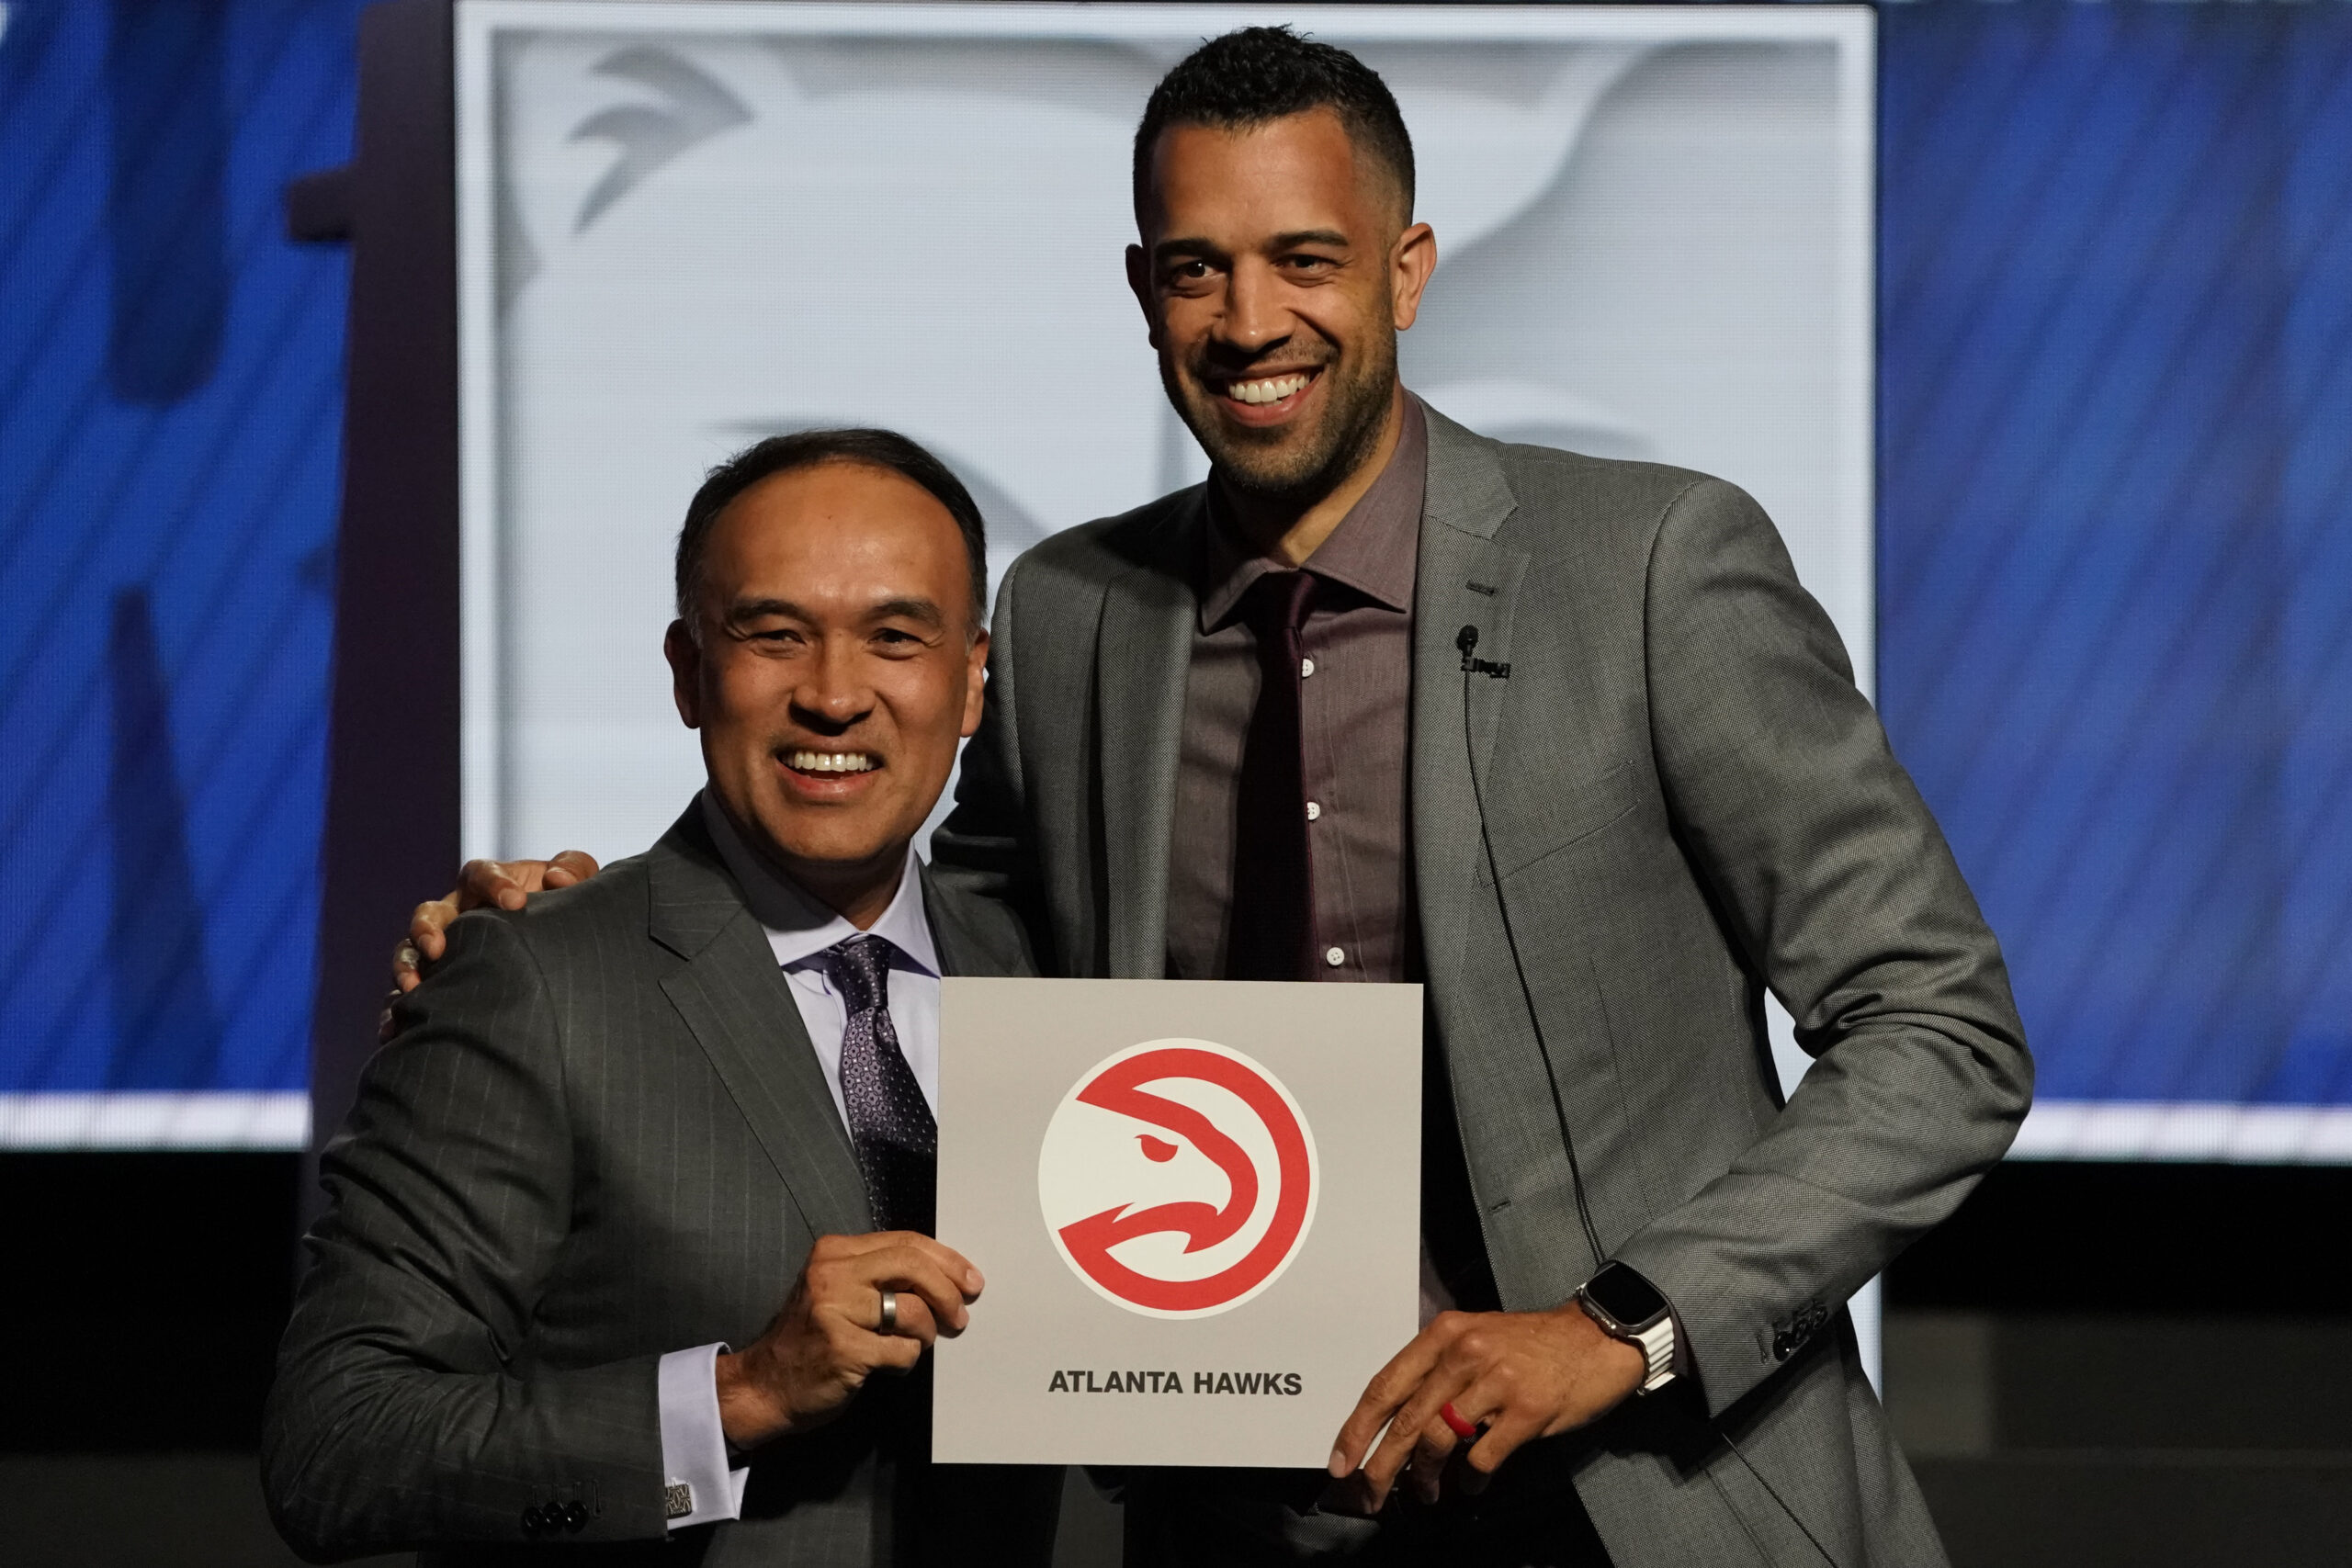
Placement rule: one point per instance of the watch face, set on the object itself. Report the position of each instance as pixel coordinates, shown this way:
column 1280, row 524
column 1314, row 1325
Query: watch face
column 1625, row 1296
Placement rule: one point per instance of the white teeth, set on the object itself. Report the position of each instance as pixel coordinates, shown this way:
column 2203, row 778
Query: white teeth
column 1270, row 390
column 832, row 762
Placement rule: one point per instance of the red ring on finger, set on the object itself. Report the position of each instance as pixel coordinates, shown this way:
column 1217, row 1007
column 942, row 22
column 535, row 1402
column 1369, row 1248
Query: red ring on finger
column 1452, row 1418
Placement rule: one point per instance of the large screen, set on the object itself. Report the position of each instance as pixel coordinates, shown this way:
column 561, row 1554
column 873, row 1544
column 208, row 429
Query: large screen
column 2030, row 324
column 684, row 228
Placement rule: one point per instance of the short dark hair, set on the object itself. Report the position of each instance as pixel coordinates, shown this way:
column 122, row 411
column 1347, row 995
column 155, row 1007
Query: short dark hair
column 1257, row 75
column 885, row 450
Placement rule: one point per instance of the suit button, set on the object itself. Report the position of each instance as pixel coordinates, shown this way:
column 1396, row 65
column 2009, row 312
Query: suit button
column 533, row 1521
column 575, row 1516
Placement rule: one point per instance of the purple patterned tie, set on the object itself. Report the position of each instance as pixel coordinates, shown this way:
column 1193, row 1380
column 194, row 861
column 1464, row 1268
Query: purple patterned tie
column 889, row 1124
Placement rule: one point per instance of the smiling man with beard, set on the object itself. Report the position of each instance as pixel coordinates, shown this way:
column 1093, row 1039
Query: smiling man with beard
column 1564, row 739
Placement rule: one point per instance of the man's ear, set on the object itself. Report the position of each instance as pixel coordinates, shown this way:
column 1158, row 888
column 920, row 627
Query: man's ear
column 1146, row 297
column 1412, row 262
column 684, row 655
column 976, row 666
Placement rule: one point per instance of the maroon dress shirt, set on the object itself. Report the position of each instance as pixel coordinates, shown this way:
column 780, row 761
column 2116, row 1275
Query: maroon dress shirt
column 1356, row 703
column 1358, row 642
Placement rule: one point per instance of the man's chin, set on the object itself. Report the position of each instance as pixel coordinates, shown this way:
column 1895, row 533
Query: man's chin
column 1281, row 465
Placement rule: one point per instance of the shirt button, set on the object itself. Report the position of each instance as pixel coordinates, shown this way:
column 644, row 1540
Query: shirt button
column 1305, row 667
column 1335, row 956
column 1313, row 811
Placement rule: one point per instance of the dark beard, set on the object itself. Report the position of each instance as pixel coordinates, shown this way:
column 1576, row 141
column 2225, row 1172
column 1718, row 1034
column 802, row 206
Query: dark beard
column 1296, row 475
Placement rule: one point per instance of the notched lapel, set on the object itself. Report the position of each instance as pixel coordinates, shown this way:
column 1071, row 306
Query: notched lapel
column 1142, row 655
column 738, row 1007
column 1465, row 579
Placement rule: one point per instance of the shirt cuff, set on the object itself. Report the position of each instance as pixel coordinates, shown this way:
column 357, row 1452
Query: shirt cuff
column 701, row 1489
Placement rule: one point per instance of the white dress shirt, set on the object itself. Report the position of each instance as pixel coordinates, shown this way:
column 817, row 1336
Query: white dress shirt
column 800, row 930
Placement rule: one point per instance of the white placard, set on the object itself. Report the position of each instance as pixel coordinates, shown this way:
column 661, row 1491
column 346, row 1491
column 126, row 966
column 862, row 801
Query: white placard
column 1197, row 1207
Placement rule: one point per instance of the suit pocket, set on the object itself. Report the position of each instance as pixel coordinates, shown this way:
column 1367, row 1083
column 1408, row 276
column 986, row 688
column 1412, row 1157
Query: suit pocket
column 1534, row 817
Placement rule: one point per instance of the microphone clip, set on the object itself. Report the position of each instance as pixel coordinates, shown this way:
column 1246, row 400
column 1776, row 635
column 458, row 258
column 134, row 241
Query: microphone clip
column 1466, row 639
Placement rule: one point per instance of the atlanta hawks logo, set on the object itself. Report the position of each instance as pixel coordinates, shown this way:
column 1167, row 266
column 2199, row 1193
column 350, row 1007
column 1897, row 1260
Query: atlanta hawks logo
column 1178, row 1179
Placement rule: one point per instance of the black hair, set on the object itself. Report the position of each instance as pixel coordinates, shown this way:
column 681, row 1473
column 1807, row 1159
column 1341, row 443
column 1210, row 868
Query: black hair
column 885, row 450
column 1247, row 78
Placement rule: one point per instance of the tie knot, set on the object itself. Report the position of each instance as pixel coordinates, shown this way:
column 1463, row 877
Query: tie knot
column 860, row 967
column 1277, row 603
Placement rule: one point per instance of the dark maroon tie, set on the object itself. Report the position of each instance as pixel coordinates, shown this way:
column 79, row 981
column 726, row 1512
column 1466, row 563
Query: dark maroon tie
column 1273, row 880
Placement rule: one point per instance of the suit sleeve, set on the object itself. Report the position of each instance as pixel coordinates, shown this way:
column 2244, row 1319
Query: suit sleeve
column 1834, row 878
column 984, row 846
column 404, row 1412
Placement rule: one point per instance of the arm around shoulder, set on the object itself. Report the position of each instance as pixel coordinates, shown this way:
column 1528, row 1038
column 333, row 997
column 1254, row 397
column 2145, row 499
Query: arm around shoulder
column 404, row 1413
column 1838, row 883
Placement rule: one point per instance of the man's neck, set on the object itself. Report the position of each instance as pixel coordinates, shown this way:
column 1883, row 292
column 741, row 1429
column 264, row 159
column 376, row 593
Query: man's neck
column 1289, row 532
column 858, row 891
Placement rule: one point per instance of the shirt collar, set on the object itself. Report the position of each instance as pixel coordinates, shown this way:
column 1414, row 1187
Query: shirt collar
column 1373, row 550
column 799, row 925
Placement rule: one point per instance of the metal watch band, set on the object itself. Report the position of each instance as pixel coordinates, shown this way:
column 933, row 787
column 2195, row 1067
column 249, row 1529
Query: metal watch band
column 1657, row 1343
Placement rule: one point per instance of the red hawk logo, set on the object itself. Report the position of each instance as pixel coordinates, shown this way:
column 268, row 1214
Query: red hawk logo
column 1178, row 1179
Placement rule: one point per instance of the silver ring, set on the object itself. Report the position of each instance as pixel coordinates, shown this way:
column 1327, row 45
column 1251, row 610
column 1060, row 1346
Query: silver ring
column 889, row 1311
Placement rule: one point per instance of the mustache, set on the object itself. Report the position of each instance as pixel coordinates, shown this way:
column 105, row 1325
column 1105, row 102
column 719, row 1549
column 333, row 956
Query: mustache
column 1207, row 364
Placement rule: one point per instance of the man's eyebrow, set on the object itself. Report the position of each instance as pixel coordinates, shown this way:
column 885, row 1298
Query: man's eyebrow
column 758, row 609
column 915, row 609
column 1171, row 249
column 921, row 610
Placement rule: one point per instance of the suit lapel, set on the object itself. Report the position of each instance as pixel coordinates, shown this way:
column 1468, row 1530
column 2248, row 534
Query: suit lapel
column 1143, row 654
column 739, row 1008
column 964, row 945
column 1465, row 578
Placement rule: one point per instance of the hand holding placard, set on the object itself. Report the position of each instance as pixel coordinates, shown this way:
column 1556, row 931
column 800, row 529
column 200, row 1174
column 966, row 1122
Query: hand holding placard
column 1521, row 1375
column 831, row 1336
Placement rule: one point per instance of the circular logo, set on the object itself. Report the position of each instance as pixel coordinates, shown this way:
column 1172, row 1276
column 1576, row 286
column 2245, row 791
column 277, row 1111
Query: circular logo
column 1178, row 1179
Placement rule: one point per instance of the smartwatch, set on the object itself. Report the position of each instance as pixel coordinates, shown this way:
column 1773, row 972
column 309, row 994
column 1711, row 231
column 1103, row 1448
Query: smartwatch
column 1628, row 1307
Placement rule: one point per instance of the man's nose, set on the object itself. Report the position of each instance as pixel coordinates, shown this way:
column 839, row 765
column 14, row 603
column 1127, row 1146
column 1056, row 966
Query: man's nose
column 1254, row 318
column 831, row 695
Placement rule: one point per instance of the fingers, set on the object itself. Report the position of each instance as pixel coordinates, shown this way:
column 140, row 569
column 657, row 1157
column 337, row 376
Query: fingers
column 1389, row 1388
column 427, row 925
column 505, row 884
column 1417, row 1425
column 570, row 867
column 482, row 883
column 847, row 1275
column 914, row 1322
column 896, row 1354
column 950, row 1262
column 1509, row 1430
column 1433, row 1446
column 929, row 1300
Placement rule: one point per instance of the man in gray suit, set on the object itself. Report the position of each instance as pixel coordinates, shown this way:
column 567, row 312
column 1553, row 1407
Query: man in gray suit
column 616, row 1130
column 1564, row 739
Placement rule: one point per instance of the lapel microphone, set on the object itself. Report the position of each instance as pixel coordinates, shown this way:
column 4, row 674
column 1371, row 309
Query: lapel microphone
column 1466, row 639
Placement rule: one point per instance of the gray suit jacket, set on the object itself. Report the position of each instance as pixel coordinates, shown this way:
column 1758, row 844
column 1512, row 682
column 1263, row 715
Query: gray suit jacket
column 1689, row 802
column 601, row 1135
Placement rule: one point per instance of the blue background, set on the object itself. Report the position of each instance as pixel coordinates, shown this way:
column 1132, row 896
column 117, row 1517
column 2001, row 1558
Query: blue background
column 170, row 417
column 2115, row 526
column 2115, row 520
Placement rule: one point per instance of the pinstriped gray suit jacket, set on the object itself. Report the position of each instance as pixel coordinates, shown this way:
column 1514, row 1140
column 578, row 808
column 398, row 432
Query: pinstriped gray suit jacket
column 1688, row 801
column 601, row 1135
